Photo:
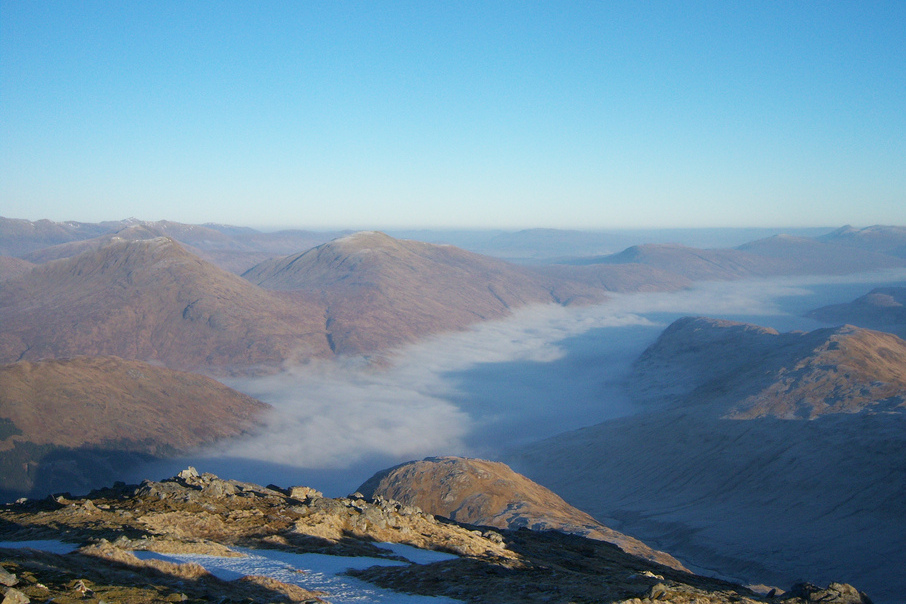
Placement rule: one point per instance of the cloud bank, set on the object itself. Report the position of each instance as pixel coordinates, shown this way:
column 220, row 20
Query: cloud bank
column 544, row 370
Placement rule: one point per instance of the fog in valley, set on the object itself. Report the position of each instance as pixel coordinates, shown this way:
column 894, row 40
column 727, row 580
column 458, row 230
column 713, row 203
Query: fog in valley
column 484, row 391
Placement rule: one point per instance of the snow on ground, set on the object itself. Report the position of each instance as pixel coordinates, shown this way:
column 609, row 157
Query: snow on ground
column 317, row 572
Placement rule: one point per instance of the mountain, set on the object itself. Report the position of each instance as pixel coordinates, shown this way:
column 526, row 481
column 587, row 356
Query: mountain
column 883, row 308
column 489, row 493
column 67, row 424
column 151, row 300
column 381, row 292
column 198, row 538
column 235, row 249
column 692, row 263
column 776, row 255
column 804, row 255
column 879, row 238
column 744, row 371
column 761, row 456
column 18, row 237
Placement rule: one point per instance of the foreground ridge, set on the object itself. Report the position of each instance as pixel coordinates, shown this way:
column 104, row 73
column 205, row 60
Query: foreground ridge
column 194, row 513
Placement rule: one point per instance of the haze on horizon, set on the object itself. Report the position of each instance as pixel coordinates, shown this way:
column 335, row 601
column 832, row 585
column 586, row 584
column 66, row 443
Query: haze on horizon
column 494, row 115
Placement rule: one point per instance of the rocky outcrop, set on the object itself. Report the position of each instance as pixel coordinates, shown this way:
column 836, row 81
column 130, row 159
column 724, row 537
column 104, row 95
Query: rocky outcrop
column 201, row 513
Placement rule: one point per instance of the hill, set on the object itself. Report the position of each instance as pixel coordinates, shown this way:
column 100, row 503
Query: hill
column 152, row 300
column 489, row 493
column 807, row 256
column 879, row 238
column 67, row 424
column 762, row 456
column 381, row 292
column 883, row 308
column 692, row 263
column 744, row 371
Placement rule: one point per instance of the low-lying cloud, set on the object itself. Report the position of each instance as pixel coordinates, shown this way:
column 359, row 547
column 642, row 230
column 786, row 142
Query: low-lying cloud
column 541, row 371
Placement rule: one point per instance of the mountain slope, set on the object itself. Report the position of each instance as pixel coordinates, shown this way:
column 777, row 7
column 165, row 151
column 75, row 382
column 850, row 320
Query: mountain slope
column 65, row 424
column 381, row 292
column 745, row 371
column 727, row 475
column 489, row 493
column 13, row 267
column 152, row 300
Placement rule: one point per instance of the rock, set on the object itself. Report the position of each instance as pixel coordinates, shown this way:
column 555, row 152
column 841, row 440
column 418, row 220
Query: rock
column 14, row 596
column 835, row 593
column 188, row 474
column 303, row 493
column 7, row 578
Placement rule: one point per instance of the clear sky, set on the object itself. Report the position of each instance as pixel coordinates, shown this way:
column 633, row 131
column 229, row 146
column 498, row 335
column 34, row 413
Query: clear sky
column 455, row 114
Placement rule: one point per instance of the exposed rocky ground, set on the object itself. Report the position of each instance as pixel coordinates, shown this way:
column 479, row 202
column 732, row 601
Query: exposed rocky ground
column 205, row 514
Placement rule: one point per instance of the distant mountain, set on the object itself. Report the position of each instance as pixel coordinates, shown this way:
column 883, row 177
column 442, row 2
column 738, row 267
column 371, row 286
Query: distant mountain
column 380, row 291
column 67, row 424
column 883, row 308
column 152, row 300
column 777, row 255
column 692, row 263
column 235, row 249
column 803, row 255
column 488, row 493
column 18, row 237
column 882, row 239
column 743, row 371
column 721, row 468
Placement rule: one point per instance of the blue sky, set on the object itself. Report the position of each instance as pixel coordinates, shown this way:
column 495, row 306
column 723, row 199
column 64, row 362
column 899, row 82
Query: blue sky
column 455, row 114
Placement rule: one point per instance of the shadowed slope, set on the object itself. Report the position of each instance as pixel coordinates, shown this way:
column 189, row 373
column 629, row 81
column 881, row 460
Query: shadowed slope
column 771, row 499
column 152, row 300
column 55, row 408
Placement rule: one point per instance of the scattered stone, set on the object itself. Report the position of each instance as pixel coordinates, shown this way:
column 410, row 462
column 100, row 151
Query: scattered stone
column 14, row 596
column 7, row 578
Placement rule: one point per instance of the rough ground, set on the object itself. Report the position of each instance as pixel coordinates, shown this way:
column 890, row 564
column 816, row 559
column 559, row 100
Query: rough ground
column 204, row 514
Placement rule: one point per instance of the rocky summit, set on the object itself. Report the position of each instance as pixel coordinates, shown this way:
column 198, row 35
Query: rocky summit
column 113, row 530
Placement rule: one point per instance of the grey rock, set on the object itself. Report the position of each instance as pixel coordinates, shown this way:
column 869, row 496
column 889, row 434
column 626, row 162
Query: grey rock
column 14, row 596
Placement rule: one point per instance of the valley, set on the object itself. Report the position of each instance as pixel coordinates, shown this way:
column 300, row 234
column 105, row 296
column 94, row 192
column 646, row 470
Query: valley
column 367, row 351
